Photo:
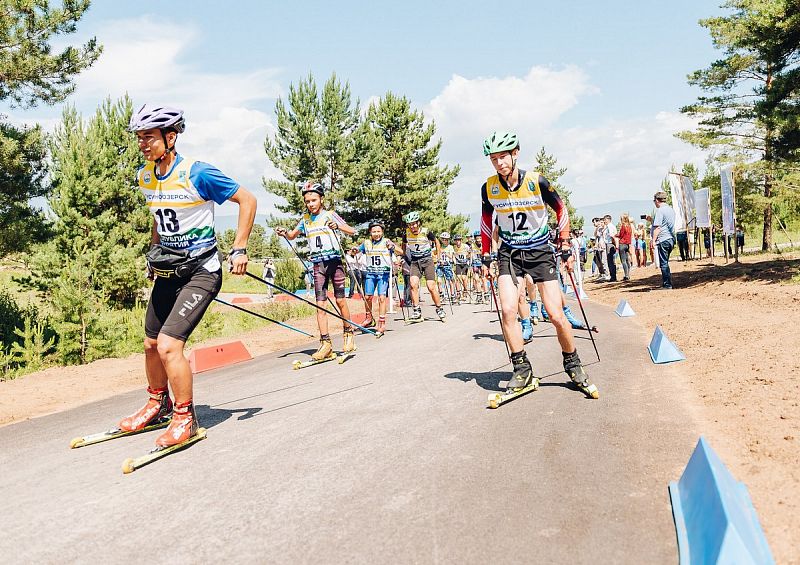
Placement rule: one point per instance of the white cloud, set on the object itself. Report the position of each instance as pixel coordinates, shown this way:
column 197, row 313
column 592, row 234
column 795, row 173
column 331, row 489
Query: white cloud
column 612, row 160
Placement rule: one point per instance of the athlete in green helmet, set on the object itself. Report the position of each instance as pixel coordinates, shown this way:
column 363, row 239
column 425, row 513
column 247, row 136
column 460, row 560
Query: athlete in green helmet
column 418, row 246
column 515, row 203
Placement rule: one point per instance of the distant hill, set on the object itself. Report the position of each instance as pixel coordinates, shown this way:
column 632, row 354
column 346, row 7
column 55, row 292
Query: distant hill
column 633, row 207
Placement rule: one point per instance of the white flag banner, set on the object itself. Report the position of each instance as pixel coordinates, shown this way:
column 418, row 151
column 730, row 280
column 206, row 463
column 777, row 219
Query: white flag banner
column 728, row 202
column 676, row 188
column 702, row 204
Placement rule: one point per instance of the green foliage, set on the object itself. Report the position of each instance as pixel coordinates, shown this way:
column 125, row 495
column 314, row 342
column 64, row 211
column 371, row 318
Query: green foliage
column 289, row 274
column 33, row 347
column 397, row 170
column 22, row 176
column 380, row 166
column 547, row 165
column 25, row 337
column 30, row 71
column 96, row 208
column 751, row 112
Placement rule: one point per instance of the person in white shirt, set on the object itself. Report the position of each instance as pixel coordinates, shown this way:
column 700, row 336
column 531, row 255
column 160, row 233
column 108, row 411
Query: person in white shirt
column 610, row 238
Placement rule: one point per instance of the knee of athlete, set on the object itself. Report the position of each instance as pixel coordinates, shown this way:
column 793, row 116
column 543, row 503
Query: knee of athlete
column 150, row 346
column 168, row 347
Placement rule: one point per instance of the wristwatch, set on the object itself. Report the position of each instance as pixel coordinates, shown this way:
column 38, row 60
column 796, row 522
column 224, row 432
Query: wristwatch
column 237, row 251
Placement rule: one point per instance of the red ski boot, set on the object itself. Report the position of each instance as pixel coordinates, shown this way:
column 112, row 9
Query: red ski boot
column 157, row 410
column 182, row 427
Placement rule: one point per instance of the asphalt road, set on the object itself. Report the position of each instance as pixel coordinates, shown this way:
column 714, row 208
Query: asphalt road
column 392, row 457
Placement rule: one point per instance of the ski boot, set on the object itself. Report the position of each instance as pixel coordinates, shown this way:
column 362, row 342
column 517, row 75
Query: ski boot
column 573, row 368
column 181, row 428
column 348, row 340
column 576, row 324
column 369, row 321
column 545, row 316
column 440, row 312
column 325, row 350
column 416, row 315
column 157, row 410
column 535, row 312
column 523, row 373
column 527, row 330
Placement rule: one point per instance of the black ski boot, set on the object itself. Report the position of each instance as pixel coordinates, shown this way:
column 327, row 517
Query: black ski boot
column 573, row 367
column 523, row 373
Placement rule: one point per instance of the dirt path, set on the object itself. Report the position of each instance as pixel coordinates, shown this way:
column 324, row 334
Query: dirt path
column 737, row 326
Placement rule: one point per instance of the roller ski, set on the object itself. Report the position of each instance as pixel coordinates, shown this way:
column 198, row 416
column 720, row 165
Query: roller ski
column 322, row 355
column 576, row 372
column 156, row 414
column 416, row 316
column 182, row 432
column 522, row 381
column 576, row 323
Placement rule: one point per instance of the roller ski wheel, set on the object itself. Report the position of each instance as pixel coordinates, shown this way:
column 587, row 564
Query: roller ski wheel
column 342, row 357
column 297, row 365
column 496, row 399
column 130, row 465
column 116, row 433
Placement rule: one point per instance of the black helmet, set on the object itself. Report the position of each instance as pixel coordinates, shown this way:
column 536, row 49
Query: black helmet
column 311, row 186
column 374, row 223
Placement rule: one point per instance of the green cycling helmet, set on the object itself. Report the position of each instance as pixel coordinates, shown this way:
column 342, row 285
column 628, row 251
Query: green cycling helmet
column 500, row 141
column 411, row 217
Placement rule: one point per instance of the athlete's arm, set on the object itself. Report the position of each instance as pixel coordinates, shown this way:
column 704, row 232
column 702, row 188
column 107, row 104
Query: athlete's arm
column 155, row 239
column 338, row 223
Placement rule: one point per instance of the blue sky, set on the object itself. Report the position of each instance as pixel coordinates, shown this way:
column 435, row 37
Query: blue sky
column 598, row 84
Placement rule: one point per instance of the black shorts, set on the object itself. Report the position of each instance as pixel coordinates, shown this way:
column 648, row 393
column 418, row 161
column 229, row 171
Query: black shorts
column 177, row 304
column 333, row 271
column 540, row 264
column 423, row 266
column 462, row 269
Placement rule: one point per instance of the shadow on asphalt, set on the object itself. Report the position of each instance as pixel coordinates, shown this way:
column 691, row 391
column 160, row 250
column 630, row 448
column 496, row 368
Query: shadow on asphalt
column 301, row 352
column 211, row 417
column 495, row 337
column 491, row 380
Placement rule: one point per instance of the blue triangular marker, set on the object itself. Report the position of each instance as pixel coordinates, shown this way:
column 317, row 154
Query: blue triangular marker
column 624, row 309
column 662, row 350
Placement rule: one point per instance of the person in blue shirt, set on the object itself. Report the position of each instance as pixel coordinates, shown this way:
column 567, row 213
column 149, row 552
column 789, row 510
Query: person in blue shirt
column 184, row 263
column 664, row 236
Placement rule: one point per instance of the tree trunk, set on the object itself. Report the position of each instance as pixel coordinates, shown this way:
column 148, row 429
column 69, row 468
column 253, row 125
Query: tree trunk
column 766, row 240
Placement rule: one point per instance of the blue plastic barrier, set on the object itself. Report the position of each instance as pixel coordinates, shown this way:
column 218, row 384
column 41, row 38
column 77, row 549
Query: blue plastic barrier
column 714, row 517
column 624, row 309
column 662, row 350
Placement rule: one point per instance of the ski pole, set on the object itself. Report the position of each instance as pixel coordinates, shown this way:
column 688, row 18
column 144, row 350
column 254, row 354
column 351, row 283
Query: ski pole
column 287, row 326
column 308, row 271
column 402, row 308
column 585, row 320
column 500, row 318
column 347, row 273
column 318, row 307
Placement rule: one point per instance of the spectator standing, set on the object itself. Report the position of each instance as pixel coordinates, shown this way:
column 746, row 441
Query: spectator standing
column 611, row 241
column 625, row 238
column 663, row 238
column 740, row 239
column 269, row 274
column 352, row 270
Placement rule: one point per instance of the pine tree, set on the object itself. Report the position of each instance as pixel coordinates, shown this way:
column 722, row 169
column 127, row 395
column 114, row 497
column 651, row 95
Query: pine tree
column 397, row 170
column 31, row 73
column 752, row 108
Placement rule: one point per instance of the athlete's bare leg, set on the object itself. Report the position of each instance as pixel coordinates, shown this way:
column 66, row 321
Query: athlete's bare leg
column 509, row 305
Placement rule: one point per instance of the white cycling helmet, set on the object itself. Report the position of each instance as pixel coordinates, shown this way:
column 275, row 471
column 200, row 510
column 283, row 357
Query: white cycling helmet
column 445, row 235
column 157, row 117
